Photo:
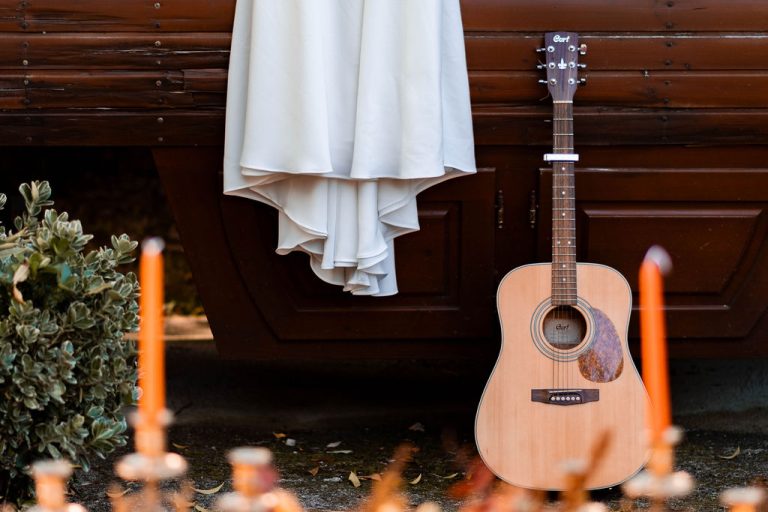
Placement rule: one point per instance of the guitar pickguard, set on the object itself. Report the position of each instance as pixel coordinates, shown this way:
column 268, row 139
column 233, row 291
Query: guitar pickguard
column 604, row 360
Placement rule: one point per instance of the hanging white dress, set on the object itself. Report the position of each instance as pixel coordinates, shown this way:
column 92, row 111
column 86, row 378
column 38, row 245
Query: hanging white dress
column 339, row 112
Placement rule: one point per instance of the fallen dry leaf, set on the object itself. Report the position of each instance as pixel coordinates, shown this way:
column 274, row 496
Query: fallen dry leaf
column 116, row 493
column 354, row 479
column 333, row 444
column 314, row 471
column 372, row 476
column 415, row 480
column 279, row 435
column 200, row 508
column 733, row 455
column 449, row 477
column 340, row 451
column 417, row 427
column 290, row 442
column 210, row 491
column 179, row 446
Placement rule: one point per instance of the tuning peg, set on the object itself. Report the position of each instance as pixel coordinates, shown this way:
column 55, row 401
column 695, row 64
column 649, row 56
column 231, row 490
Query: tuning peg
column 540, row 50
column 543, row 82
column 582, row 81
column 582, row 66
column 582, row 49
column 541, row 66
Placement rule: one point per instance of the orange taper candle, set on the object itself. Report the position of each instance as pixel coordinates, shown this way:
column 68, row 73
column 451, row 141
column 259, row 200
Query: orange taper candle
column 654, row 343
column 151, row 346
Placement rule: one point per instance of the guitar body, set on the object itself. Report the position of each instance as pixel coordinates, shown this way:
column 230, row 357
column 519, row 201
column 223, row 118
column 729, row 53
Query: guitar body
column 545, row 405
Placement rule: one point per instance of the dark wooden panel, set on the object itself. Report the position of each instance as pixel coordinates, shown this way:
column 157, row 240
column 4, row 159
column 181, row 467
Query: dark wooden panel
column 713, row 222
column 617, row 51
column 519, row 127
column 117, row 15
column 504, row 51
column 455, row 301
column 11, row 92
column 114, row 50
column 117, row 89
column 10, row 15
column 428, row 263
column 618, row 16
column 713, row 89
column 207, row 88
column 240, row 323
column 668, row 161
column 479, row 15
column 114, row 128
column 496, row 125
column 697, row 236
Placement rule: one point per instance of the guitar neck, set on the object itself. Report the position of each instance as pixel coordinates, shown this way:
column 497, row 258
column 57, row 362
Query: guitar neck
column 564, row 286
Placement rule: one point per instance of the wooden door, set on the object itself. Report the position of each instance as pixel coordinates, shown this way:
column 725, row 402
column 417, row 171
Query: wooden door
column 711, row 216
column 264, row 305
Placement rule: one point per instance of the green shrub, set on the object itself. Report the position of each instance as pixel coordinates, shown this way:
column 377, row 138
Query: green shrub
column 66, row 372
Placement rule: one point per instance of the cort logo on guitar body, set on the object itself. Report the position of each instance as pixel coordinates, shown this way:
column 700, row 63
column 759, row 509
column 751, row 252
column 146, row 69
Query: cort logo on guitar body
column 560, row 39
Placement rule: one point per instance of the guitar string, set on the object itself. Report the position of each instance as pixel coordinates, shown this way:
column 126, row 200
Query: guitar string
column 563, row 205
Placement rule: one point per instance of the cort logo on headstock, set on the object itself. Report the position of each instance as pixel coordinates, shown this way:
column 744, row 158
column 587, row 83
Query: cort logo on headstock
column 562, row 50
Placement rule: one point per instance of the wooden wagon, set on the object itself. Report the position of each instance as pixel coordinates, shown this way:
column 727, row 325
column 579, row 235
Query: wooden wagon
column 672, row 131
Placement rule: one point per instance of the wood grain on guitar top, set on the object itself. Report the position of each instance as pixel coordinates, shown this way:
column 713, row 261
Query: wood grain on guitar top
column 524, row 442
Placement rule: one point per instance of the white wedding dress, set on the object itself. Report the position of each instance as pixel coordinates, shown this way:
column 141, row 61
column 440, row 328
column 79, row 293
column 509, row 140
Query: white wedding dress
column 339, row 112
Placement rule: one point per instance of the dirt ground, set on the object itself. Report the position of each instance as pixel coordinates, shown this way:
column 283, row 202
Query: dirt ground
column 324, row 422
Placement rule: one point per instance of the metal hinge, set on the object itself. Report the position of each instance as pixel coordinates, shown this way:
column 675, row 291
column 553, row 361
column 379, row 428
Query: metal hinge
column 499, row 209
column 532, row 209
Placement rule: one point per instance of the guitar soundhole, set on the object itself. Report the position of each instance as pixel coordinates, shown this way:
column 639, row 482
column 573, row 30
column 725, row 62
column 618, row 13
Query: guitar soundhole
column 564, row 327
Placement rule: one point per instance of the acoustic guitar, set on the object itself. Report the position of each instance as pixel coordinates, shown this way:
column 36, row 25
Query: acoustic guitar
column 564, row 375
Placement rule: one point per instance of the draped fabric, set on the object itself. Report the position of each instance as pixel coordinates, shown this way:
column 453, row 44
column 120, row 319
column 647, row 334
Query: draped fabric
column 339, row 112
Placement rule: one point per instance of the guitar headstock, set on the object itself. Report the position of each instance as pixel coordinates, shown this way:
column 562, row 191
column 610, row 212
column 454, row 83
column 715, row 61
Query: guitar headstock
column 562, row 51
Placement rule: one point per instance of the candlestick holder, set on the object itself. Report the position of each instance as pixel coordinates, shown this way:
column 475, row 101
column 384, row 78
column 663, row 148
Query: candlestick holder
column 743, row 499
column 151, row 464
column 658, row 482
column 254, row 481
column 51, row 487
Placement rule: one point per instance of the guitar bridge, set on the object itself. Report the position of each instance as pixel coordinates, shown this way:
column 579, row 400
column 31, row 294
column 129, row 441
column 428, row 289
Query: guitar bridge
column 565, row 396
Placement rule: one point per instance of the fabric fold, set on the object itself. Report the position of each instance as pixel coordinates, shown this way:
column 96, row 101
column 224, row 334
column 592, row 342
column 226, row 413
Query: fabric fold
column 339, row 112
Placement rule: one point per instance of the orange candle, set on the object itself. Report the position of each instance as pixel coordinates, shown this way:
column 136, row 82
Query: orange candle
column 151, row 346
column 654, row 344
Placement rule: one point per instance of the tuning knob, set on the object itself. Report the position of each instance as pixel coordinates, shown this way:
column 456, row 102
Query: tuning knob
column 543, row 82
column 540, row 50
column 582, row 49
column 541, row 66
column 582, row 81
column 582, row 66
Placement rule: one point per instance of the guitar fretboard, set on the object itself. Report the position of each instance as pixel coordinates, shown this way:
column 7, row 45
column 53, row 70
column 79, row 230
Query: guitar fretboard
column 563, row 209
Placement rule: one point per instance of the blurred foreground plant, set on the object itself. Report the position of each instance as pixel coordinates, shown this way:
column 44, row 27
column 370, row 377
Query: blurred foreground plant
column 66, row 371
